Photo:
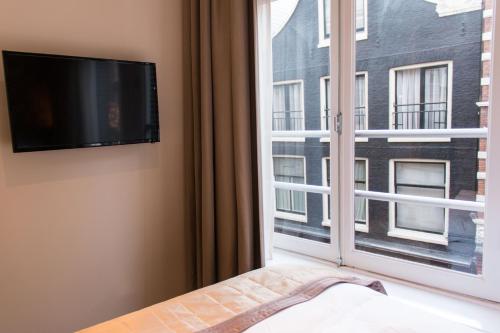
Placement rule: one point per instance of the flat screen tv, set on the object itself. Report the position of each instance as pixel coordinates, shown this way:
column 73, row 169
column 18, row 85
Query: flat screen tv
column 60, row 102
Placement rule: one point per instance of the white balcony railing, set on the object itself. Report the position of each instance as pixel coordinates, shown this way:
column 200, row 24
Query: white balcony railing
column 458, row 133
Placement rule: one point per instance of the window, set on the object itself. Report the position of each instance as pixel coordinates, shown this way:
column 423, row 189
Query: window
column 361, row 204
column 420, row 229
column 326, row 197
column 420, row 178
column 421, row 96
column 361, row 19
column 360, row 105
column 294, row 201
column 324, row 24
column 361, row 102
column 324, row 20
column 288, row 106
column 290, row 204
column 325, row 103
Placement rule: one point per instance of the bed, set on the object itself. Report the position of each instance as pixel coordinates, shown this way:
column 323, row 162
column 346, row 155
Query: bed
column 283, row 299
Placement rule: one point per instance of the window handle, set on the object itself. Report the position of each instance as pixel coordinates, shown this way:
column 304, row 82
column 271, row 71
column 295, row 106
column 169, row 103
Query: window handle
column 338, row 123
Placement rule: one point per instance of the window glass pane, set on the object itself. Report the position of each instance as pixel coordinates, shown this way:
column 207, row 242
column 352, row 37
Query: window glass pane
column 408, row 99
column 327, row 182
column 289, row 170
column 431, row 219
column 360, row 204
column 360, row 102
column 432, row 75
column 436, row 97
column 360, row 15
column 288, row 114
column 419, row 173
column 422, row 98
column 301, row 101
column 326, row 17
column 327, row 104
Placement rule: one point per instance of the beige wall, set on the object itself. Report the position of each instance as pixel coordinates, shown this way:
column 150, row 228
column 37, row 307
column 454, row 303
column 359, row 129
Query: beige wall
column 88, row 234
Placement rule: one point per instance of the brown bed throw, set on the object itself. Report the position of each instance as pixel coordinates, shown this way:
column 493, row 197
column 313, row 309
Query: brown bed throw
column 302, row 294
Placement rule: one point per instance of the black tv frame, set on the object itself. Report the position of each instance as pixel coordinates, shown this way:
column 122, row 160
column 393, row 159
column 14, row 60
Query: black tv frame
column 16, row 149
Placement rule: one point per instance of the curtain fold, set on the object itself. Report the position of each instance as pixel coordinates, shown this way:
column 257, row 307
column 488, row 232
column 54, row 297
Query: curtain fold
column 436, row 91
column 279, row 107
column 222, row 165
column 408, row 98
column 295, row 101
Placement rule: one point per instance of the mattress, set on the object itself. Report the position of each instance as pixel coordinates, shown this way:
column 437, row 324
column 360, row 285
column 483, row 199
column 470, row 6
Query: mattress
column 282, row 299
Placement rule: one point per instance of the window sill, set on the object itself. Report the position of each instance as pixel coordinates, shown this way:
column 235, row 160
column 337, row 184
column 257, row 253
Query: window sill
column 418, row 236
column 291, row 216
column 324, row 43
column 361, row 35
column 361, row 227
column 289, row 139
column 416, row 139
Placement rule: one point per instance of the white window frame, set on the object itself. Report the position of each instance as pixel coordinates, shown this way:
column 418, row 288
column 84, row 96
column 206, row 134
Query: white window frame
column 324, row 41
column 484, row 286
column 302, row 105
column 322, row 93
column 291, row 216
column 421, row 236
column 359, row 226
column 343, row 64
column 392, row 100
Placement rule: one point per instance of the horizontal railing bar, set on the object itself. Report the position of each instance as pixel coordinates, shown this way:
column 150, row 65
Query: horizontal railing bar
column 432, row 103
column 301, row 134
column 462, row 133
column 424, row 201
column 302, row 187
column 394, row 197
column 457, row 133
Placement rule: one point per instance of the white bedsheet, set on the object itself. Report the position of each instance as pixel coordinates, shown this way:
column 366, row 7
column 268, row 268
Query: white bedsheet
column 348, row 308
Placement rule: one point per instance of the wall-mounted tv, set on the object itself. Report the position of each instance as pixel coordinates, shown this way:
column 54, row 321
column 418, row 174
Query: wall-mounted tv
column 60, row 102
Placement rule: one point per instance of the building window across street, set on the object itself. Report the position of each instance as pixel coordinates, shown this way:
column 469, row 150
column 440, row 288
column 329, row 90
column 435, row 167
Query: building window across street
column 361, row 204
column 360, row 102
column 324, row 21
column 421, row 97
column 326, row 102
column 327, row 209
column 361, row 19
column 288, row 106
column 420, row 178
column 290, row 204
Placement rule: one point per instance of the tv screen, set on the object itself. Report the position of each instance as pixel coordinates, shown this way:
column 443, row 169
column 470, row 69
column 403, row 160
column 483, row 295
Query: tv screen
column 59, row 102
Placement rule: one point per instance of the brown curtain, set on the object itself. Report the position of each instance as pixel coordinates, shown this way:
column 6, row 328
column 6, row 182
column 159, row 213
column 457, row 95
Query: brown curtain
column 221, row 139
